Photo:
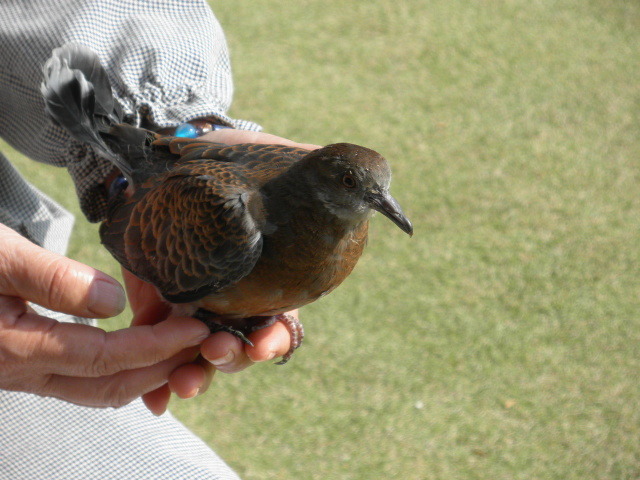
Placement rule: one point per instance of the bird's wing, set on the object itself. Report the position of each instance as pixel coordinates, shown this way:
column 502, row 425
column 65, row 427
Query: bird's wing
column 193, row 224
column 262, row 161
column 191, row 231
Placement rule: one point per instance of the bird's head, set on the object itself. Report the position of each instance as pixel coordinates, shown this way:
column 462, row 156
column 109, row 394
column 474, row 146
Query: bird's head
column 350, row 181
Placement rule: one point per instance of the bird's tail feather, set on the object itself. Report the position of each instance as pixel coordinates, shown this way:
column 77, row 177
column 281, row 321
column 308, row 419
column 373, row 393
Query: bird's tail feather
column 78, row 97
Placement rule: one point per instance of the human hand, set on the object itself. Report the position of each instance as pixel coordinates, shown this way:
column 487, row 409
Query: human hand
column 221, row 351
column 232, row 136
column 73, row 362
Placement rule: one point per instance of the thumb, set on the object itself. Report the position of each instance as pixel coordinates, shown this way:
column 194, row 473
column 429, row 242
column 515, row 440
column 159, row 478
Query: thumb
column 55, row 282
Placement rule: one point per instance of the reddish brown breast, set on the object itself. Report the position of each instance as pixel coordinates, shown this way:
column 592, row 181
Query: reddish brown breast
column 291, row 273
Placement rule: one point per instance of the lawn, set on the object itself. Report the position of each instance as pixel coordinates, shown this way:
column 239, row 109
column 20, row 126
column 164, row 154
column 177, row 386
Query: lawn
column 502, row 341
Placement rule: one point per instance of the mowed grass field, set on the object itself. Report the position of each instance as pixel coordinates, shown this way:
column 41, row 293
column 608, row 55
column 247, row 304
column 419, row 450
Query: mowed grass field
column 502, row 341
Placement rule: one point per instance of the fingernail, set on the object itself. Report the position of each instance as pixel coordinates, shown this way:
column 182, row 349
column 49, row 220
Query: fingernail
column 193, row 393
column 271, row 356
column 198, row 336
column 106, row 298
column 201, row 337
column 228, row 358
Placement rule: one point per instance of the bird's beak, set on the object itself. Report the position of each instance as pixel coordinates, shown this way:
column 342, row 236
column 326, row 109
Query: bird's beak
column 390, row 208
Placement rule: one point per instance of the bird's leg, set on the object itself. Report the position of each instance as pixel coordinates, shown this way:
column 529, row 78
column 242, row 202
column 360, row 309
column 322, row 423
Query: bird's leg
column 208, row 318
column 296, row 330
column 297, row 334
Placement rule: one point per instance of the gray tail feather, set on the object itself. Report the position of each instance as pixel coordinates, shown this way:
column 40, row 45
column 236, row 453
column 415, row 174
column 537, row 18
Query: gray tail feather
column 78, row 97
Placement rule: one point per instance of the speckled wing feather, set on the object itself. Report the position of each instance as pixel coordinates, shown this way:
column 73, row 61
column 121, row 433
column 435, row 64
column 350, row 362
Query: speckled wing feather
column 260, row 161
column 196, row 228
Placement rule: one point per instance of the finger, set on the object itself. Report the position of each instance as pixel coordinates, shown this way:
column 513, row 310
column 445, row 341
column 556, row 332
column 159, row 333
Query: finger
column 82, row 350
column 225, row 352
column 210, row 372
column 232, row 136
column 55, row 282
column 151, row 313
column 115, row 390
column 157, row 400
column 146, row 303
column 186, row 380
column 191, row 379
column 269, row 343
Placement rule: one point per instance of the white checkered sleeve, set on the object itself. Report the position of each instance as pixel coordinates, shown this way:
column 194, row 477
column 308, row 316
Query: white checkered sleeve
column 167, row 61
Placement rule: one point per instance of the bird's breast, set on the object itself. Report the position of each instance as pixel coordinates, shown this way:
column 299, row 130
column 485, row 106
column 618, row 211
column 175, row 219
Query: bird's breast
column 292, row 271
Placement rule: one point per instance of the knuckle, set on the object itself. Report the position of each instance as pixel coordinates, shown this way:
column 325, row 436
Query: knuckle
column 46, row 386
column 103, row 362
column 13, row 356
column 116, row 394
column 20, row 346
column 5, row 274
column 119, row 351
column 11, row 309
column 13, row 254
column 58, row 275
column 101, row 367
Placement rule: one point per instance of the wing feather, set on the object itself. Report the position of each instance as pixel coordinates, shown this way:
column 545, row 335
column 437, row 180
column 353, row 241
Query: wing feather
column 197, row 227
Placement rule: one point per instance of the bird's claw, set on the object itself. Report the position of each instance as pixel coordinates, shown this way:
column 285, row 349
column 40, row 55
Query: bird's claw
column 296, row 330
column 207, row 319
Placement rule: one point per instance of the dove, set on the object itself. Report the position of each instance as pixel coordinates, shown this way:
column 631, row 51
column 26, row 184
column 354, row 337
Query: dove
column 233, row 235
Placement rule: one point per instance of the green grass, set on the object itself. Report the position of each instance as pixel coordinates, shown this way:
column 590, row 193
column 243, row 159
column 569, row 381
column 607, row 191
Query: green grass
column 502, row 341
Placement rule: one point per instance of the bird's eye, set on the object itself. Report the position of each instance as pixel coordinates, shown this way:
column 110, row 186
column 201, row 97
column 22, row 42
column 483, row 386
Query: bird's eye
column 349, row 181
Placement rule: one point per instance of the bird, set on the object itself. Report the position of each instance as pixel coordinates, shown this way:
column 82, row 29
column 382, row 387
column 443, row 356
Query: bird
column 233, row 235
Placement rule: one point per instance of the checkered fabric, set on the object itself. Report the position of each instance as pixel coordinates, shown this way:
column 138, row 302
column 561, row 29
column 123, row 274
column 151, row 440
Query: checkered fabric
column 167, row 60
column 47, row 439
